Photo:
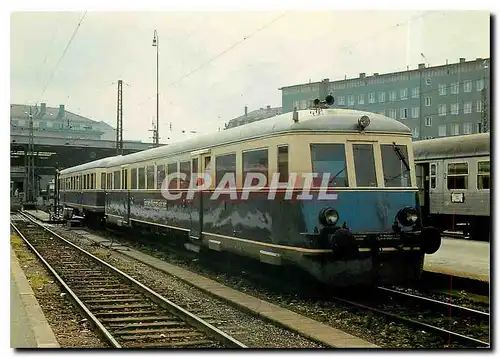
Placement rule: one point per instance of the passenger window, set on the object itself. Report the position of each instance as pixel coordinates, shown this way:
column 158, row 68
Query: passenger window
column 194, row 165
column 160, row 175
column 329, row 158
column 171, row 169
column 124, row 178
column 133, row 178
column 103, row 180
column 458, row 174
column 433, row 176
column 483, row 175
column 150, row 171
column 364, row 164
column 142, row 178
column 224, row 164
column 395, row 172
column 283, row 163
column 185, row 168
column 116, row 180
column 255, row 161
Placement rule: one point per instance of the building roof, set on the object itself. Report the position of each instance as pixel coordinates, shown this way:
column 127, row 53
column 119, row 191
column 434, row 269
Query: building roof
column 330, row 120
column 452, row 147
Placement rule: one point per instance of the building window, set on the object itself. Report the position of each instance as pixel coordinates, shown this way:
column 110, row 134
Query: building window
column 455, row 129
column 468, row 107
column 479, row 106
column 381, row 97
column 371, row 97
column 403, row 93
column 442, row 90
column 483, row 175
column 458, row 174
column 403, row 113
column 283, row 163
column 479, row 84
column 392, row 95
column 467, row 128
column 428, row 82
column 415, row 112
column 442, row 131
column 433, row 176
column 342, row 100
column 454, row 108
column 303, row 104
column 415, row 92
column 428, row 101
column 428, row 121
column 350, row 99
column 479, row 127
column 415, row 132
column 454, row 88
column 467, row 86
column 442, row 110
column 361, row 99
column 392, row 113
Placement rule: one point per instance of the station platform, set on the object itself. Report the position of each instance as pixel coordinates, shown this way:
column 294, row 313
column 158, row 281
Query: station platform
column 39, row 214
column 462, row 258
column 28, row 326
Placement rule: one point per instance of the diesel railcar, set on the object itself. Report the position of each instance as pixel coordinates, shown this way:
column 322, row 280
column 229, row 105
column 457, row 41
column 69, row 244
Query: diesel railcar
column 453, row 175
column 340, row 199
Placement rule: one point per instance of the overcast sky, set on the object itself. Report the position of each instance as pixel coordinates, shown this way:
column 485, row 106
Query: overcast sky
column 280, row 49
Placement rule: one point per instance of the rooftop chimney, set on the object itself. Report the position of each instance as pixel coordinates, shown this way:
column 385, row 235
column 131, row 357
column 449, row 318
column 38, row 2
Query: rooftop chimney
column 462, row 59
column 268, row 107
column 362, row 75
column 246, row 111
column 478, row 59
column 375, row 74
column 326, row 80
column 60, row 114
column 43, row 109
column 421, row 66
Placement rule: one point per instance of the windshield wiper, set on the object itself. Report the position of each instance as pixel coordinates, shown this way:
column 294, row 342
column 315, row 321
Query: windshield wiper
column 336, row 175
column 400, row 156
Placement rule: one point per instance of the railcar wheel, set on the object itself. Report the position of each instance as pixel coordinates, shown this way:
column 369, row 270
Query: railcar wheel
column 344, row 244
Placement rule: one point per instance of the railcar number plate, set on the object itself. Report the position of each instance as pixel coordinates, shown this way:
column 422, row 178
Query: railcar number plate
column 457, row 197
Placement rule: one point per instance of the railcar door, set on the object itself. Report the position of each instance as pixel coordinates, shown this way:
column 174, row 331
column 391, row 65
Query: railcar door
column 423, row 183
column 200, row 163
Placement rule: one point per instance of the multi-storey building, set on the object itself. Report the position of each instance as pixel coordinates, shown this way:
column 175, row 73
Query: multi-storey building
column 253, row 116
column 437, row 101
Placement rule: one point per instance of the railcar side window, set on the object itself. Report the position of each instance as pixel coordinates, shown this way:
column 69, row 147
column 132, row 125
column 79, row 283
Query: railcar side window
column 116, row 180
column 125, row 179
column 142, row 178
column 364, row 164
column 283, row 163
column 458, row 175
column 109, row 182
column 224, row 164
column 329, row 158
column 194, row 165
column 255, row 161
column 185, row 168
column 160, row 175
column 150, row 175
column 103, row 180
column 395, row 172
column 133, row 179
column 172, row 169
column 483, row 175
column 433, row 176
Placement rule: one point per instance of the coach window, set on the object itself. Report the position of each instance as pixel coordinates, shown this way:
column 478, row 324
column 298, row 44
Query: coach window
column 109, row 182
column 172, row 170
column 283, row 163
column 255, row 162
column 483, row 175
column 125, row 179
column 329, row 159
column 194, row 165
column 433, row 176
column 364, row 164
column 160, row 175
column 395, row 172
column 116, row 179
column 133, row 179
column 150, row 175
column 224, row 164
column 142, row 178
column 458, row 174
column 103, row 180
column 92, row 181
column 185, row 168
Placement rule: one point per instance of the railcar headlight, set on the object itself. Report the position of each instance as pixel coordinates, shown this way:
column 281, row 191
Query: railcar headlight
column 328, row 216
column 407, row 216
column 364, row 122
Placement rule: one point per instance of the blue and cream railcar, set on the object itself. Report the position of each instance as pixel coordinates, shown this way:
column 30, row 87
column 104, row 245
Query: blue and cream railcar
column 367, row 230
column 454, row 179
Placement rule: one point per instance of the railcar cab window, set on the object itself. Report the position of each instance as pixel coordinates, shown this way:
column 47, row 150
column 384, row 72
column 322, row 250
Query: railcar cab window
column 331, row 159
column 255, row 161
column 142, row 178
column 483, row 175
column 133, row 178
column 160, row 175
column 458, row 175
column 224, row 164
column 395, row 172
column 283, row 163
column 364, row 164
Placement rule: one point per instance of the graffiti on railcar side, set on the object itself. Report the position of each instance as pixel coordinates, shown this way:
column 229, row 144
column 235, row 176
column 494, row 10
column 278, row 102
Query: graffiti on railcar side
column 155, row 203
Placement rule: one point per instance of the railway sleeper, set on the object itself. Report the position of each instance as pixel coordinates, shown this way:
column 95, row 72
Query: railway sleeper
column 168, row 332
column 120, row 307
column 126, row 313
column 124, row 320
column 191, row 344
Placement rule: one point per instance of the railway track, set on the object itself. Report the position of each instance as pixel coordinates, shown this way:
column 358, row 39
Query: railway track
column 428, row 314
column 126, row 313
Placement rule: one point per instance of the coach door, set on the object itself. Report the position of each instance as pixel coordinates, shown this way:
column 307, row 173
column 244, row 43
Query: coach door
column 199, row 164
